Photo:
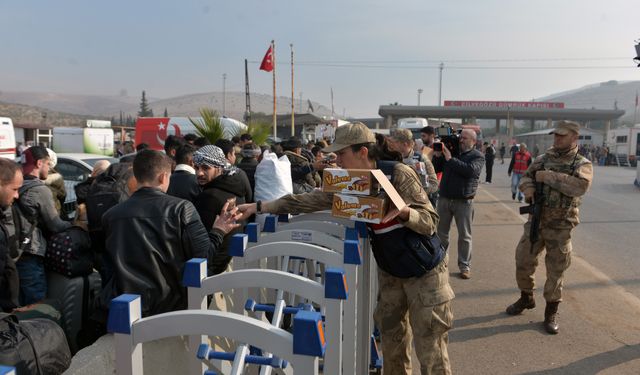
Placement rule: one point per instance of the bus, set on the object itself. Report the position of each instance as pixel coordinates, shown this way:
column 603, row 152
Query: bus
column 7, row 139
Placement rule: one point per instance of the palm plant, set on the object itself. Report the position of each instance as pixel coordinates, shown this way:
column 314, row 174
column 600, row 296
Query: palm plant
column 209, row 125
column 259, row 131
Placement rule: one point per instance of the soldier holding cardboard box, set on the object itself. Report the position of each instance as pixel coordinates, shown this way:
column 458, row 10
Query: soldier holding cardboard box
column 410, row 300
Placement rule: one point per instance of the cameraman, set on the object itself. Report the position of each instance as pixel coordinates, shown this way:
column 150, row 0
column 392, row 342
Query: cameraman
column 460, row 175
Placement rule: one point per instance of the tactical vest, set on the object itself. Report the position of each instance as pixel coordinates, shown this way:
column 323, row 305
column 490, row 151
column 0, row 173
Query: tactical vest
column 554, row 198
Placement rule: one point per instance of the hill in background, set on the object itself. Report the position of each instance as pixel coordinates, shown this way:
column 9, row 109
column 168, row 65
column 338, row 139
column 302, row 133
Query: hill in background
column 605, row 95
column 32, row 115
column 95, row 106
column 73, row 110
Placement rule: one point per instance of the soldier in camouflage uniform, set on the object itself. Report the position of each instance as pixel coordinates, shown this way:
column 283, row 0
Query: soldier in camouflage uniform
column 566, row 176
column 418, row 306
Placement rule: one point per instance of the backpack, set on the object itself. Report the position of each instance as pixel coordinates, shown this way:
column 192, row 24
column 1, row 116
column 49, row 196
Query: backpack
column 107, row 190
column 33, row 346
column 20, row 227
column 400, row 251
column 69, row 253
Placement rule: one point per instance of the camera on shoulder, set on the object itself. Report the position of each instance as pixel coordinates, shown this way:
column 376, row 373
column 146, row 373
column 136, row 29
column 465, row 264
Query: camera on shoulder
column 450, row 138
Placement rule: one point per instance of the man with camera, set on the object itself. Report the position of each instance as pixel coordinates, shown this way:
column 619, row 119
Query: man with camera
column 460, row 164
column 555, row 182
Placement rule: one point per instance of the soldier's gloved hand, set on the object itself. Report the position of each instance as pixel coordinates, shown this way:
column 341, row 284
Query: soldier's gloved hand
column 544, row 176
column 528, row 194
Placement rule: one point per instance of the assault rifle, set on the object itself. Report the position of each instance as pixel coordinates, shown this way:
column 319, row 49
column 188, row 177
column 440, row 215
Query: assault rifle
column 535, row 210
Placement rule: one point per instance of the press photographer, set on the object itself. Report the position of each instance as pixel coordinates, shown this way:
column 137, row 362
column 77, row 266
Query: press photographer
column 460, row 174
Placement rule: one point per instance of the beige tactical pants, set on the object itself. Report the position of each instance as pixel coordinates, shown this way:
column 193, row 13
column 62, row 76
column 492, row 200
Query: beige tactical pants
column 557, row 243
column 410, row 306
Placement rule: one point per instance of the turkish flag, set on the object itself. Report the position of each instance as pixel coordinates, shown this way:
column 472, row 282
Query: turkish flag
column 267, row 61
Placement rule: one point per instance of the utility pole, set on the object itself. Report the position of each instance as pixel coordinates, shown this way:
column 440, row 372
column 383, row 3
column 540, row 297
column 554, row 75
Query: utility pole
column 247, row 97
column 224, row 93
column 440, row 85
column 419, row 93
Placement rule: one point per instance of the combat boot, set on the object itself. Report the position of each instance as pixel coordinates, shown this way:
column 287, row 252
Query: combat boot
column 551, row 318
column 526, row 301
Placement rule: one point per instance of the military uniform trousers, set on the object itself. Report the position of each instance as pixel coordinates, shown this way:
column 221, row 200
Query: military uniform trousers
column 557, row 243
column 414, row 307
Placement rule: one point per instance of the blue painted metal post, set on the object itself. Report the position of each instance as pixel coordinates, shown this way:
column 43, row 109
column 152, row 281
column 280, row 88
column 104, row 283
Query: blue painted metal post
column 123, row 312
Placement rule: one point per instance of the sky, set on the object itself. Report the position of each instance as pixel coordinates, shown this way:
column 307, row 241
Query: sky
column 370, row 53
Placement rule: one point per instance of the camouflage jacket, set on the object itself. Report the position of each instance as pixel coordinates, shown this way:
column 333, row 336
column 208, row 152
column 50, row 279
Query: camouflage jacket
column 422, row 219
column 301, row 170
column 562, row 194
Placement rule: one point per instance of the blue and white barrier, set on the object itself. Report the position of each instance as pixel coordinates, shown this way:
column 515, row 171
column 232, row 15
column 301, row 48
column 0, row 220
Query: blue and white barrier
column 330, row 296
column 367, row 281
column 301, row 349
column 305, row 231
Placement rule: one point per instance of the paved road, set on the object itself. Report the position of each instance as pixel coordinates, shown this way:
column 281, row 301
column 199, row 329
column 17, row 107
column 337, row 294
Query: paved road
column 600, row 329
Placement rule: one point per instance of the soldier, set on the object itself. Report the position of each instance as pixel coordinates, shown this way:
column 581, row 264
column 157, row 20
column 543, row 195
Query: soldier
column 566, row 176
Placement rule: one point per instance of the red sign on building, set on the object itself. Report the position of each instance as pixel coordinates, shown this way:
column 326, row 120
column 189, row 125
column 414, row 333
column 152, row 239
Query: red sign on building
column 494, row 104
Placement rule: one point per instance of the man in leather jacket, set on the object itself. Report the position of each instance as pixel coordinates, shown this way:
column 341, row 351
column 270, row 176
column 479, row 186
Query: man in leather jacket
column 150, row 236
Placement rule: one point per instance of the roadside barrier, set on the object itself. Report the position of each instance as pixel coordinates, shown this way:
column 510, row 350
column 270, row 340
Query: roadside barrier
column 301, row 349
column 330, row 296
column 305, row 228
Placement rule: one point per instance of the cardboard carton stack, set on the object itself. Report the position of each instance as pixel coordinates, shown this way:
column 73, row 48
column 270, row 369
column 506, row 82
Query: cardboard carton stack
column 357, row 194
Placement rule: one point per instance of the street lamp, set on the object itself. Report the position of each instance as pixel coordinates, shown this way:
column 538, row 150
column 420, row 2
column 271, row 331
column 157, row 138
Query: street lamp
column 419, row 92
column 224, row 93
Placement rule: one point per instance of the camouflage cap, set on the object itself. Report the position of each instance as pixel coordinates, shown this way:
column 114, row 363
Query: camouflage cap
column 402, row 135
column 564, row 127
column 351, row 134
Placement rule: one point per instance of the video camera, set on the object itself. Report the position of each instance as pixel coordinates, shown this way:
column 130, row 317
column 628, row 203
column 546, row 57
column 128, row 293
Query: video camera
column 450, row 138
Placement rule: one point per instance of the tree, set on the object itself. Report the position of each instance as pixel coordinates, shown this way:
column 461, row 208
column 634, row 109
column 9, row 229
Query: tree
column 145, row 110
column 166, row 114
column 260, row 131
column 209, row 126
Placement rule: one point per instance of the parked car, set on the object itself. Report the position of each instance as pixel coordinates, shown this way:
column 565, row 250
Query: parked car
column 76, row 168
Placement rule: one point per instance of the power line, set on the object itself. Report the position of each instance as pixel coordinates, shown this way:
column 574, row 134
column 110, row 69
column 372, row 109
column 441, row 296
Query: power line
column 462, row 60
column 478, row 67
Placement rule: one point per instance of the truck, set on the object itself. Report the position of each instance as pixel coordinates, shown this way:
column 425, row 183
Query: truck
column 7, row 139
column 89, row 140
column 155, row 130
column 625, row 142
column 414, row 124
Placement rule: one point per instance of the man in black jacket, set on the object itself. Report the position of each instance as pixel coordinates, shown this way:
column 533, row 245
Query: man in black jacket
column 221, row 182
column 10, row 182
column 183, row 183
column 458, row 187
column 150, row 236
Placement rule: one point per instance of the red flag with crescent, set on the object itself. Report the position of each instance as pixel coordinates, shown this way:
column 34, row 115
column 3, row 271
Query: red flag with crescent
column 267, row 61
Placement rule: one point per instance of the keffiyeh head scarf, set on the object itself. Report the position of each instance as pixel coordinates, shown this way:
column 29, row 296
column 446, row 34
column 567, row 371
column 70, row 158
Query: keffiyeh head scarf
column 213, row 156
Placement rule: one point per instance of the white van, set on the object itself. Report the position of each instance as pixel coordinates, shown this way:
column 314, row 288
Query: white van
column 415, row 124
column 7, row 139
column 83, row 140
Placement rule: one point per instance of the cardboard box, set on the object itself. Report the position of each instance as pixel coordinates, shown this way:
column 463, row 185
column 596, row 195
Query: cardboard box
column 348, row 181
column 359, row 207
column 366, row 208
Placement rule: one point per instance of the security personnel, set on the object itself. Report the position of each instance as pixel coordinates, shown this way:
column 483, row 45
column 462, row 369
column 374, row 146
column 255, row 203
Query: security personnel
column 566, row 176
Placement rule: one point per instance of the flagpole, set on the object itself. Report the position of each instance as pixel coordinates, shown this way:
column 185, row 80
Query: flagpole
column 273, row 58
column 635, row 113
column 293, row 132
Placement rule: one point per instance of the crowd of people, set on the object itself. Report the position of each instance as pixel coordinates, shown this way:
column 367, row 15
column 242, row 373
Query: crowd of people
column 187, row 201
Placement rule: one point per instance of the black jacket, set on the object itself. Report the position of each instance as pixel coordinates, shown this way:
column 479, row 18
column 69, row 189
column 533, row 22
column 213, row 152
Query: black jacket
column 9, row 283
column 460, row 174
column 249, row 165
column 184, row 185
column 149, row 237
column 209, row 204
